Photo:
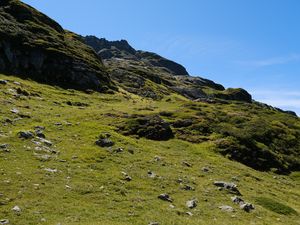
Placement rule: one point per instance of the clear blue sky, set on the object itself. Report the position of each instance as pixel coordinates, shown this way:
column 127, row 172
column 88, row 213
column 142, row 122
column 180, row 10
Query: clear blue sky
column 254, row 44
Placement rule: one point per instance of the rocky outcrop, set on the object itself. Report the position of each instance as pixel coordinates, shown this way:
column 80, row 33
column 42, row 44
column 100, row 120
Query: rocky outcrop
column 121, row 49
column 132, row 70
column 236, row 94
column 151, row 127
column 34, row 46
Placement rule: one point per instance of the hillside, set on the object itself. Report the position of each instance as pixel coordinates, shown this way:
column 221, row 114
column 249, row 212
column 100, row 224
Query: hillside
column 64, row 177
column 33, row 45
column 116, row 135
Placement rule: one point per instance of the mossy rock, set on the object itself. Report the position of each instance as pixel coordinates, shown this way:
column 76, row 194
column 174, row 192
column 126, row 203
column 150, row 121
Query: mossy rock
column 236, row 94
column 34, row 46
column 151, row 127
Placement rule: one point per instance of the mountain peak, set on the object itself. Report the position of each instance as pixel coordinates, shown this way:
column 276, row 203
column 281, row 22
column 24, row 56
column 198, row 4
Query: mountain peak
column 101, row 43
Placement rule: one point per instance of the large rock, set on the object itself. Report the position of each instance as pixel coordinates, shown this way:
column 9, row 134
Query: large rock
column 192, row 203
column 33, row 45
column 231, row 187
column 165, row 197
column 243, row 205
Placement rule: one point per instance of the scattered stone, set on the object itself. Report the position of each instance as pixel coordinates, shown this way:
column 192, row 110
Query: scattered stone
column 243, row 205
column 205, row 169
column 172, row 206
column 15, row 111
column 22, row 92
column 36, row 143
column 46, row 142
column 4, row 221
column 189, row 213
column 226, row 208
column 4, row 147
column 237, row 200
column 157, row 158
column 51, row 170
column 79, row 104
column 186, row 164
column 188, row 188
column 26, row 134
column 58, row 124
column 40, row 134
column 7, row 120
column 25, row 115
column 165, row 197
column 151, row 174
column 192, row 203
column 126, row 176
column 105, row 142
column 43, row 158
column 180, row 181
column 3, row 82
column 247, row 207
column 119, row 150
column 16, row 83
column 153, row 223
column 16, row 209
column 228, row 186
column 39, row 131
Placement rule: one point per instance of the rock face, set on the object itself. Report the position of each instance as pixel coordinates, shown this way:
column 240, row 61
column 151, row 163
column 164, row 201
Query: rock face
column 150, row 75
column 121, row 49
column 35, row 46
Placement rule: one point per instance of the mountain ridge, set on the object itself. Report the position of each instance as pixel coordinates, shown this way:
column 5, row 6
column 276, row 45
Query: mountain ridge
column 128, row 66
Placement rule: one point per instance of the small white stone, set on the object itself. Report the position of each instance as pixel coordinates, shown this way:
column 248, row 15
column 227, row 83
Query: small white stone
column 16, row 209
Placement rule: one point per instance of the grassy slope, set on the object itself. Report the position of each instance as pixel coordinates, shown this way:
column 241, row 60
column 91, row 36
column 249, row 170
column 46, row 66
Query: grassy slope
column 96, row 192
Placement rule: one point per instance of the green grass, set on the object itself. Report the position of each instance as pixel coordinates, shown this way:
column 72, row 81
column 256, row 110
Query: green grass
column 275, row 206
column 89, row 187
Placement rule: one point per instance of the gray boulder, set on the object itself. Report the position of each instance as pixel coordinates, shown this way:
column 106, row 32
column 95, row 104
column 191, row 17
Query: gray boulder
column 4, row 221
column 26, row 134
column 3, row 82
column 231, row 187
column 165, row 197
column 4, row 147
column 243, row 205
column 192, row 203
